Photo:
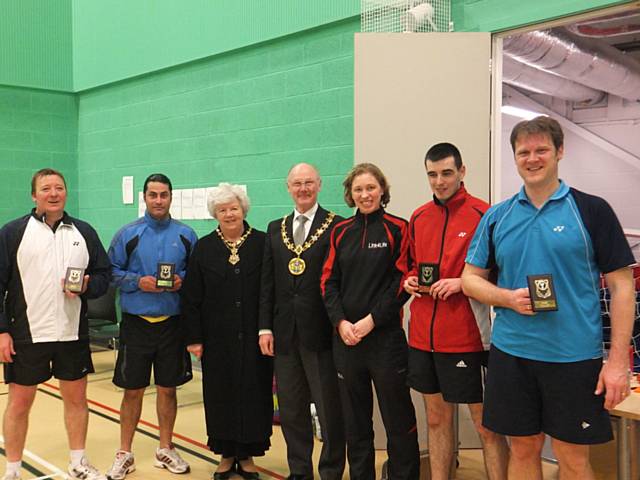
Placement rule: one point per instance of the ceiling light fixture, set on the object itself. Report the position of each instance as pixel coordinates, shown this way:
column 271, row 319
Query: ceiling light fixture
column 520, row 112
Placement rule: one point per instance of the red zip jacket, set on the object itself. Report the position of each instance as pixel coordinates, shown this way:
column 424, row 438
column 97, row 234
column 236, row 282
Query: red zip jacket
column 441, row 233
column 364, row 269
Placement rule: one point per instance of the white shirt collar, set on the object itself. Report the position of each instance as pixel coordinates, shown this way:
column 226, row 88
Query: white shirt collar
column 310, row 214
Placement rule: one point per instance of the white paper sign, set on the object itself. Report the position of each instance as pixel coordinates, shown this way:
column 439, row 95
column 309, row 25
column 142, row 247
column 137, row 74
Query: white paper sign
column 141, row 205
column 200, row 203
column 187, row 204
column 176, row 205
column 127, row 190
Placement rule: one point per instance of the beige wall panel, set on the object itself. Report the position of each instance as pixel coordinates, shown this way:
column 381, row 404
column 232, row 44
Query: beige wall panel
column 411, row 91
column 416, row 89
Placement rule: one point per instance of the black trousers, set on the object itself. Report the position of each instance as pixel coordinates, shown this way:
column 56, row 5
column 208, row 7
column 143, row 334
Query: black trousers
column 380, row 357
column 303, row 377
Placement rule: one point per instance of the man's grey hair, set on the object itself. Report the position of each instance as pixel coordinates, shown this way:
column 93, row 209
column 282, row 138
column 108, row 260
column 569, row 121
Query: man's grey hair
column 225, row 193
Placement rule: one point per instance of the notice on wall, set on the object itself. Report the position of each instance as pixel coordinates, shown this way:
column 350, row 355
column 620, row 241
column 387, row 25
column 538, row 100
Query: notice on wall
column 200, row 204
column 187, row 204
column 176, row 204
column 142, row 207
column 127, row 190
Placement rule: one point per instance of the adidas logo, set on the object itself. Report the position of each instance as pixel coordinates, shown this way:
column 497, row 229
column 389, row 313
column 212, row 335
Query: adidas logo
column 461, row 364
column 585, row 425
column 462, row 234
column 558, row 228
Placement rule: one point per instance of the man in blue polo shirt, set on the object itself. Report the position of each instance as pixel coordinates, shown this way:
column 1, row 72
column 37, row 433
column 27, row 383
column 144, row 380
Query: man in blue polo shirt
column 545, row 368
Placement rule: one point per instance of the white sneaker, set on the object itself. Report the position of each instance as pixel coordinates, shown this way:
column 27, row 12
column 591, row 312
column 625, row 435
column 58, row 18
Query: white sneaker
column 170, row 459
column 11, row 476
column 123, row 463
column 85, row 471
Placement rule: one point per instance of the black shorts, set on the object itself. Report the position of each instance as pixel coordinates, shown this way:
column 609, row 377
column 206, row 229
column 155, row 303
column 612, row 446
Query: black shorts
column 526, row 397
column 144, row 345
column 35, row 363
column 458, row 376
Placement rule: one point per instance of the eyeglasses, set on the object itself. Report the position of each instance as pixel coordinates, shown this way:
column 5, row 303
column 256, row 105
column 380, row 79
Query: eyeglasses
column 299, row 185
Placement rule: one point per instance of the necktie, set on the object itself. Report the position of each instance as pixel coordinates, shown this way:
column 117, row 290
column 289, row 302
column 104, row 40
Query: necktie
column 299, row 234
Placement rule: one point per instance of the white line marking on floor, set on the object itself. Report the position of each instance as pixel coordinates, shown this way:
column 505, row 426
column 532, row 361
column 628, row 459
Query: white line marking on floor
column 56, row 471
column 51, row 476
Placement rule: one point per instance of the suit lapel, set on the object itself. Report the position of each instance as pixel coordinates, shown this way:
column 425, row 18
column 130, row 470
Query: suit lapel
column 319, row 217
column 289, row 226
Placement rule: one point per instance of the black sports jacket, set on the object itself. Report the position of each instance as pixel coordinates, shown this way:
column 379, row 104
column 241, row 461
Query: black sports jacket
column 364, row 268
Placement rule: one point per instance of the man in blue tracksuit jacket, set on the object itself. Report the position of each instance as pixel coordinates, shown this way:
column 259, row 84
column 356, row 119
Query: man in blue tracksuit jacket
column 150, row 332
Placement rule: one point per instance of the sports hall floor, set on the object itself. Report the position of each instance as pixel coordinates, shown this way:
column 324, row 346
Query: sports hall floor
column 46, row 452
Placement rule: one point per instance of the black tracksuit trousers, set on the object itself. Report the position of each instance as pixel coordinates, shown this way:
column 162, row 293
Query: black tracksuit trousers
column 380, row 357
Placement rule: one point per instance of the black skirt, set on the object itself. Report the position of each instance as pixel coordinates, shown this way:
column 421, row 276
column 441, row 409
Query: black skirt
column 241, row 451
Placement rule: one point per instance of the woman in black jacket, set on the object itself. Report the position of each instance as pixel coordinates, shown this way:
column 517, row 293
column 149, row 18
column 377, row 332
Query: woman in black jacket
column 220, row 309
column 362, row 289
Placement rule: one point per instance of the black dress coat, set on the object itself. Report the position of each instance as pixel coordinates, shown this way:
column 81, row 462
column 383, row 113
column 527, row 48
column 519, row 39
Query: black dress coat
column 291, row 303
column 220, row 310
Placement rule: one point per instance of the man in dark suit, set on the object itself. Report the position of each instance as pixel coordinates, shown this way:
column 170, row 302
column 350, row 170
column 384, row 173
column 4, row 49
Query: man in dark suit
column 295, row 328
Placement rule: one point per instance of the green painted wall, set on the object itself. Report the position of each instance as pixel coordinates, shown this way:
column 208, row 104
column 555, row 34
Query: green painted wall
column 497, row 15
column 243, row 117
column 72, row 45
column 35, row 44
column 119, row 39
column 38, row 129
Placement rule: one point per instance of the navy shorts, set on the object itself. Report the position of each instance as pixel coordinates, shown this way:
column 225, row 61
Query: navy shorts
column 145, row 346
column 458, row 376
column 35, row 363
column 525, row 397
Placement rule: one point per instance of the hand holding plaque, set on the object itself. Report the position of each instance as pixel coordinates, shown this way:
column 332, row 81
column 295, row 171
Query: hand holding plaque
column 542, row 293
column 428, row 274
column 74, row 280
column 164, row 278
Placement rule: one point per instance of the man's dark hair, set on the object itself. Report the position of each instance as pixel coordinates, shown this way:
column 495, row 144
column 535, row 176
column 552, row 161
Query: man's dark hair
column 540, row 125
column 157, row 177
column 443, row 150
column 45, row 172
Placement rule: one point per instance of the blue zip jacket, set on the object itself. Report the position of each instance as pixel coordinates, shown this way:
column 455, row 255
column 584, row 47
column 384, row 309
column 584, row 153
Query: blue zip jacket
column 135, row 252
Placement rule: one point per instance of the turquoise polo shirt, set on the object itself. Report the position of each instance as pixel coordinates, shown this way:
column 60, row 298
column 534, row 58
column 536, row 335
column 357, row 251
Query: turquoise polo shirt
column 573, row 236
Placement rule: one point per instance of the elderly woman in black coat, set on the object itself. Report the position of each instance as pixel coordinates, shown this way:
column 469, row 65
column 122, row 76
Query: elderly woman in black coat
column 220, row 310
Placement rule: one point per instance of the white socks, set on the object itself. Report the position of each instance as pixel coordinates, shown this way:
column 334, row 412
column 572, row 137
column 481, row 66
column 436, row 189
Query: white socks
column 14, row 467
column 76, row 457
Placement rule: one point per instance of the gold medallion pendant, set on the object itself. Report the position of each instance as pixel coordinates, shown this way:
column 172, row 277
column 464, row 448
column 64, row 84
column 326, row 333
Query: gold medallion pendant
column 297, row 266
column 233, row 247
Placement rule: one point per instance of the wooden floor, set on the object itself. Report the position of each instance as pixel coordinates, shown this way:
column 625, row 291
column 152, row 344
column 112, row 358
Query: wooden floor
column 46, row 454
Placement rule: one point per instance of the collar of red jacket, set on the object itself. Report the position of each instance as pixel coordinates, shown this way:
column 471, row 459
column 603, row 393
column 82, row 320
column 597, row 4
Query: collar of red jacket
column 455, row 201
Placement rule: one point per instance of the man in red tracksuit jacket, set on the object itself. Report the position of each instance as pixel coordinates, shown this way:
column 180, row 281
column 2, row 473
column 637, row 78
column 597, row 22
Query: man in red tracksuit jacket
column 448, row 332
